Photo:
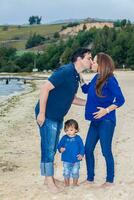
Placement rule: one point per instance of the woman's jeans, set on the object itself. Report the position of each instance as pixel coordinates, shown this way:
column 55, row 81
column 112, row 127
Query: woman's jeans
column 103, row 131
column 49, row 133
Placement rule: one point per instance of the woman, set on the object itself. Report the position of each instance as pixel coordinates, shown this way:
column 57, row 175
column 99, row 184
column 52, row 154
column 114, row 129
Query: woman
column 104, row 97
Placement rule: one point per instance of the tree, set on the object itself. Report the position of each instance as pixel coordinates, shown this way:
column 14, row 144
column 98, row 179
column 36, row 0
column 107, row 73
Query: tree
column 123, row 23
column 34, row 40
column 10, row 68
column 56, row 35
column 7, row 54
column 65, row 57
column 84, row 27
column 19, row 26
column 26, row 61
column 117, row 23
column 38, row 19
column 34, row 20
column 130, row 52
column 5, row 28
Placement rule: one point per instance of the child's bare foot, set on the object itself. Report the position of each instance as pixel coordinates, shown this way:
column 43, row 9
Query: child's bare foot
column 75, row 182
column 75, row 185
column 106, row 184
column 67, row 182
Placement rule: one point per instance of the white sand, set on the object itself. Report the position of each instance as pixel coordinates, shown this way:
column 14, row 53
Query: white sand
column 20, row 152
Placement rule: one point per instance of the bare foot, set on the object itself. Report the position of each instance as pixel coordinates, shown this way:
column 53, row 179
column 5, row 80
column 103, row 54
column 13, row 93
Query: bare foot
column 106, row 184
column 56, row 181
column 54, row 189
column 75, row 185
column 45, row 181
column 67, row 182
column 65, row 185
column 59, row 183
column 87, row 183
column 51, row 186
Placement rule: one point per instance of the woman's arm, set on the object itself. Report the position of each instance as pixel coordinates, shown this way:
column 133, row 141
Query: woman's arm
column 103, row 111
column 118, row 101
column 84, row 85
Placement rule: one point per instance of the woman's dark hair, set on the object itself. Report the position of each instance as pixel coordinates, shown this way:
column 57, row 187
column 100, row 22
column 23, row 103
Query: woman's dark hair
column 71, row 122
column 106, row 67
column 79, row 53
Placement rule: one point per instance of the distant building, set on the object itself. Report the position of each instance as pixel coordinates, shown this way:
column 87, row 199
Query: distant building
column 35, row 70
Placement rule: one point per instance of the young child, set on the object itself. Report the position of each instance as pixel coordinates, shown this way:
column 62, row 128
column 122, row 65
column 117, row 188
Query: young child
column 72, row 149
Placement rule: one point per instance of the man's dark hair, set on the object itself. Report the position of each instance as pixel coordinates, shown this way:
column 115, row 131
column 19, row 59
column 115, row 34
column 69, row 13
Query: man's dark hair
column 71, row 122
column 79, row 53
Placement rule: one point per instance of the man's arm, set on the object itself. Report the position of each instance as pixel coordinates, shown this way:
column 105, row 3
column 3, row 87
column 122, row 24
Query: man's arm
column 45, row 89
column 79, row 101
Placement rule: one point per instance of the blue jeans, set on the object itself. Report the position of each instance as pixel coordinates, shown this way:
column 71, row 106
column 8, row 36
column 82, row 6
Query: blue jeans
column 71, row 170
column 103, row 131
column 49, row 134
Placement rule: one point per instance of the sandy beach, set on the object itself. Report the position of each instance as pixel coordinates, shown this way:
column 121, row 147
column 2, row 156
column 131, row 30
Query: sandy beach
column 20, row 151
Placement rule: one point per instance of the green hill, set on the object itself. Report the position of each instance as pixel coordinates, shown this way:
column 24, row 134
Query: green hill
column 16, row 36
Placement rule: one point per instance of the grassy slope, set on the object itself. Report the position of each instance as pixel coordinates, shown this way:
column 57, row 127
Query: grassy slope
column 8, row 37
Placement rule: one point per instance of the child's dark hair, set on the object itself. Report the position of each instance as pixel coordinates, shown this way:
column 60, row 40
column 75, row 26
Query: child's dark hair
column 80, row 52
column 71, row 122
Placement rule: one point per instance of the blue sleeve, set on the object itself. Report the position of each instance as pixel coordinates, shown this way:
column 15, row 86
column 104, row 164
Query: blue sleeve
column 61, row 143
column 81, row 146
column 58, row 77
column 85, row 88
column 116, row 91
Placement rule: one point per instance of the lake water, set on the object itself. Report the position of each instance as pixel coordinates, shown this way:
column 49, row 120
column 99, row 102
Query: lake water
column 13, row 87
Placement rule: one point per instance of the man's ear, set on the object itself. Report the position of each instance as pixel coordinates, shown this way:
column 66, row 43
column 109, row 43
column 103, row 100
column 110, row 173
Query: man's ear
column 79, row 58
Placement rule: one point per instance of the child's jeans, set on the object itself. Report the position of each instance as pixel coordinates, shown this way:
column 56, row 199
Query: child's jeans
column 71, row 170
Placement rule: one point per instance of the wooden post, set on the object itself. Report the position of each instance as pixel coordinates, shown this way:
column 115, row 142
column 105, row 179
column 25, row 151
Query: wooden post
column 7, row 81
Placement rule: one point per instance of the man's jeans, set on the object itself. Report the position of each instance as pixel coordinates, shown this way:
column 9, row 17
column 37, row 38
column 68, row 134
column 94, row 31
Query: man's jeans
column 103, row 131
column 49, row 133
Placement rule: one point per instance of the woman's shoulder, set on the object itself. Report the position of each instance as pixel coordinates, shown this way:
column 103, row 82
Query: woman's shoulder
column 95, row 77
column 112, row 80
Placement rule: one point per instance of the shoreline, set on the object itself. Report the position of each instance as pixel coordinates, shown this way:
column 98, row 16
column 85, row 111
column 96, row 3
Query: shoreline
column 14, row 93
column 10, row 100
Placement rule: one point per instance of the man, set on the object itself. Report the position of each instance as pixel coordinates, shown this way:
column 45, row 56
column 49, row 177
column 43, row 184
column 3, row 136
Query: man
column 56, row 97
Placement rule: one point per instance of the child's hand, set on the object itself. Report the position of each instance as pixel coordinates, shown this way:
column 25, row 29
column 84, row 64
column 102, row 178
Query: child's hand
column 62, row 149
column 79, row 157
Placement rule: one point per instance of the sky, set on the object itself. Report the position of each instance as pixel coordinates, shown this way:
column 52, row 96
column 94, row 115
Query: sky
column 19, row 11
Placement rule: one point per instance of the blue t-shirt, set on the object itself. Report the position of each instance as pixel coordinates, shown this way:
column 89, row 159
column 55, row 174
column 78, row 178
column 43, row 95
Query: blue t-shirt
column 112, row 94
column 66, row 82
column 73, row 145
